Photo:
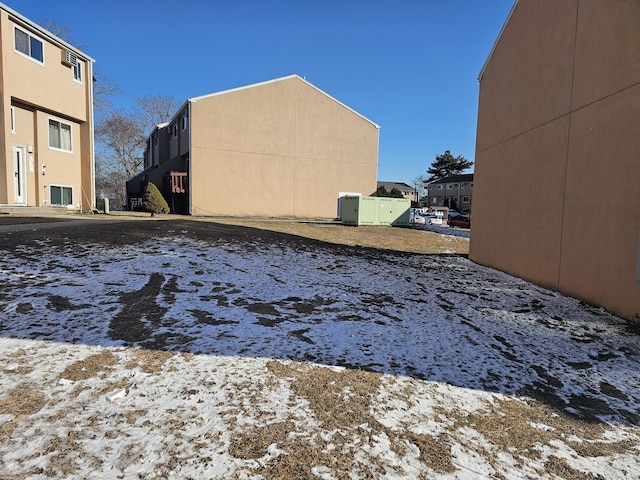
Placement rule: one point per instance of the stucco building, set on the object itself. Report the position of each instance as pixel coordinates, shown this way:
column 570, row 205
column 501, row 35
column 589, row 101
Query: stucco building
column 454, row 191
column 557, row 174
column 408, row 192
column 46, row 107
column 276, row 148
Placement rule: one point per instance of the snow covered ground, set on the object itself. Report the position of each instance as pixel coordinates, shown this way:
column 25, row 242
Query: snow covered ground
column 188, row 358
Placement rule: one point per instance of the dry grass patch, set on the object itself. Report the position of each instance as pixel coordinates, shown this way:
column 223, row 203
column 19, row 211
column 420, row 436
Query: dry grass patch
column 342, row 401
column 388, row 238
column 20, row 402
column 149, row 361
column 254, row 443
column 89, row 367
column 560, row 468
column 522, row 427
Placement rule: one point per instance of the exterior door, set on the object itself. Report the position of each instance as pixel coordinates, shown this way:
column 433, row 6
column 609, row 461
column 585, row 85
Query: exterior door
column 19, row 175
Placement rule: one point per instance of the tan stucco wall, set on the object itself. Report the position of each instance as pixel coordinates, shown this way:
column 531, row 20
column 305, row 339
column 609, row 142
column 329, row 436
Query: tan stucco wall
column 556, row 193
column 50, row 91
column 281, row 148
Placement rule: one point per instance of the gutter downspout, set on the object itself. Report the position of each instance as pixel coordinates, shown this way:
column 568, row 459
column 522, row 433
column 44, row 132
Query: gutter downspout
column 190, row 169
column 92, row 152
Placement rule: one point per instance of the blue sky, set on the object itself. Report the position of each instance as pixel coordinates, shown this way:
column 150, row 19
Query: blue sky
column 411, row 66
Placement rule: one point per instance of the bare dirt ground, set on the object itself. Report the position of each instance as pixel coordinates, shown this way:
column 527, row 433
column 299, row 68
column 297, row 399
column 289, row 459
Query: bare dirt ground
column 257, row 348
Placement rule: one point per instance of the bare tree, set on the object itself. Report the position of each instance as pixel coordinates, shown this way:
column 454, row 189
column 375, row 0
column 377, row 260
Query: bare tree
column 103, row 92
column 109, row 183
column 419, row 184
column 154, row 109
column 121, row 136
column 123, row 140
column 124, row 133
column 60, row 31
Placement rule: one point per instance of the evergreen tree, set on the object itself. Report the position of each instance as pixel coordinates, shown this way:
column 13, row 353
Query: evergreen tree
column 446, row 165
column 395, row 193
column 381, row 191
column 153, row 201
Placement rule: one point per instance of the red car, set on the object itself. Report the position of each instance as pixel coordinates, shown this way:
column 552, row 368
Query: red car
column 458, row 220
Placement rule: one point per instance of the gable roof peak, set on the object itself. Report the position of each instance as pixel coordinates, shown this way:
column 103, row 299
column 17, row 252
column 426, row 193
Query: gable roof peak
column 280, row 79
column 495, row 44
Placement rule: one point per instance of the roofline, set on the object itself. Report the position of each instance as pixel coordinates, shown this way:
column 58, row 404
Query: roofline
column 44, row 32
column 397, row 183
column 495, row 44
column 288, row 77
column 448, row 179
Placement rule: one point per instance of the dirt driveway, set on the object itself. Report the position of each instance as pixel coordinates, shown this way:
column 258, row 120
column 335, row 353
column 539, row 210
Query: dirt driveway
column 180, row 348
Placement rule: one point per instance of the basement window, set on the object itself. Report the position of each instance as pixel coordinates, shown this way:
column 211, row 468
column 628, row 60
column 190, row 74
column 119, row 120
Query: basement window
column 61, row 195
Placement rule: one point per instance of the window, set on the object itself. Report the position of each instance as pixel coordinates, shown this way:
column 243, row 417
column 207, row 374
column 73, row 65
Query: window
column 439, row 187
column 464, row 185
column 13, row 120
column 184, row 122
column 472, row 185
column 155, row 139
column 175, row 130
column 465, row 199
column 450, row 186
column 77, row 71
column 61, row 195
column 59, row 135
column 434, row 200
column 28, row 45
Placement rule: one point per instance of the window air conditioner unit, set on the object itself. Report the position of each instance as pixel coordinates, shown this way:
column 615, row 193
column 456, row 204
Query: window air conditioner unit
column 69, row 58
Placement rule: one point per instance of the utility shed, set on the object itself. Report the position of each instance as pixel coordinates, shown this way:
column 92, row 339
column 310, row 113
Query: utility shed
column 557, row 174
column 358, row 210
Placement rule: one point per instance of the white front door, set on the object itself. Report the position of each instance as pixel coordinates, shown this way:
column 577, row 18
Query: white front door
column 19, row 175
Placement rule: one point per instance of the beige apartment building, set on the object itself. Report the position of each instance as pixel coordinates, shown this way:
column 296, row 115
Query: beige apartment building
column 276, row 148
column 47, row 118
column 557, row 168
column 407, row 191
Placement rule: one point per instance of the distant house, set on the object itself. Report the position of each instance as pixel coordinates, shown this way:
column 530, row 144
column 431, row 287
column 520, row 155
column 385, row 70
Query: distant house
column 277, row 148
column 454, row 191
column 408, row 192
column 46, row 95
column 557, row 173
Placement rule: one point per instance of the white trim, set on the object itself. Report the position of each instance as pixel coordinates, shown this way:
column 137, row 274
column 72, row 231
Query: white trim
column 73, row 194
column 61, row 122
column 79, row 66
column 45, row 33
column 202, row 97
column 30, row 35
column 20, row 182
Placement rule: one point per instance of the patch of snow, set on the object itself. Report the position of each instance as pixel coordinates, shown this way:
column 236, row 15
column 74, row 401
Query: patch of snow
column 451, row 339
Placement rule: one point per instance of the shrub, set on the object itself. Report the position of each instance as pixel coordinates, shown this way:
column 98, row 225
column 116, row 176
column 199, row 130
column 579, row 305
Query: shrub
column 153, row 201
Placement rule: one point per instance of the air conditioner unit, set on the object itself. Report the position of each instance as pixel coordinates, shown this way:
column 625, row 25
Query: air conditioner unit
column 69, row 58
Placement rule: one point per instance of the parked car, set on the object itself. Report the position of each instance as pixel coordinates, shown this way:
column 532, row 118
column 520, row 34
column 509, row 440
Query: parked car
column 458, row 220
column 418, row 219
column 432, row 219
